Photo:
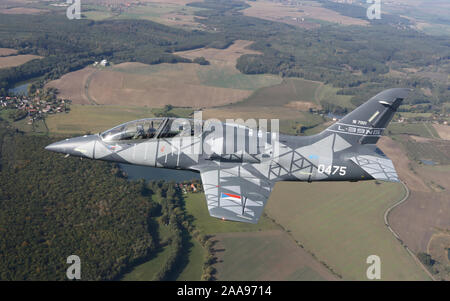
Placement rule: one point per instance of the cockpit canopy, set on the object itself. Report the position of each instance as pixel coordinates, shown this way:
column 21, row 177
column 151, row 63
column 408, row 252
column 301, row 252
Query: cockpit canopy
column 150, row 128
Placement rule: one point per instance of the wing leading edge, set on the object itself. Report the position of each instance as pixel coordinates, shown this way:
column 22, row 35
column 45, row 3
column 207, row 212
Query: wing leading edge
column 234, row 193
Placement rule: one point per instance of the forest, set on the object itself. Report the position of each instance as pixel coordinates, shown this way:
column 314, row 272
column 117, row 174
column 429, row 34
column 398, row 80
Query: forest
column 52, row 207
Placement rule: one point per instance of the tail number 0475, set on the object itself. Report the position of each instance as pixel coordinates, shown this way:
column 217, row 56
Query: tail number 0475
column 332, row 169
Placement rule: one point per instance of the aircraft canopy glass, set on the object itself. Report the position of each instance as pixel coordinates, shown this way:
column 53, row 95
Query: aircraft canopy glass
column 150, row 128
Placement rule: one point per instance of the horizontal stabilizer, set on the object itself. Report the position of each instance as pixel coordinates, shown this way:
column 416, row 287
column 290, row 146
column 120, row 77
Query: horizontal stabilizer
column 380, row 168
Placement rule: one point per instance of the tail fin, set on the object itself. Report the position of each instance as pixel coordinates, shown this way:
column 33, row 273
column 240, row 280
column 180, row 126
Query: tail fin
column 366, row 123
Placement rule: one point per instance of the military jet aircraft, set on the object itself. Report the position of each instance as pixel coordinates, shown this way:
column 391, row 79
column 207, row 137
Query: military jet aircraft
column 238, row 177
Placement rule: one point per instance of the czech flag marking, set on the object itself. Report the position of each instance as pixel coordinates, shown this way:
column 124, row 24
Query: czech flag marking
column 230, row 196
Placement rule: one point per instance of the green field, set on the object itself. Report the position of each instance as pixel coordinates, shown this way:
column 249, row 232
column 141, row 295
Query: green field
column 412, row 115
column 294, row 89
column 189, row 269
column 293, row 126
column 327, row 93
column 342, row 224
column 263, row 256
column 226, row 77
column 148, row 270
column 193, row 270
column 157, row 12
column 435, row 150
column 196, row 206
column 418, row 129
column 291, row 89
column 94, row 119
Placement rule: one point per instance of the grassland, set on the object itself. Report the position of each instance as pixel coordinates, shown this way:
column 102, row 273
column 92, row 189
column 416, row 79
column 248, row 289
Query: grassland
column 443, row 131
column 148, row 270
column 435, row 150
column 254, row 252
column 195, row 258
column 342, row 224
column 418, row 129
column 427, row 204
column 286, row 13
column 16, row 60
column 168, row 13
column 288, row 101
column 291, row 93
column 94, row 119
column 23, row 11
column 226, row 56
column 7, row 51
column 287, row 91
column 188, row 269
column 439, row 249
column 327, row 93
column 266, row 255
column 158, row 85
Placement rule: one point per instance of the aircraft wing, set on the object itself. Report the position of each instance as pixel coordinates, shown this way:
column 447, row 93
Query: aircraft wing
column 235, row 192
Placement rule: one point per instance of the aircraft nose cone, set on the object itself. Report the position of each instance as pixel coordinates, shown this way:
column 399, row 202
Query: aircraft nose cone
column 79, row 146
column 57, row 147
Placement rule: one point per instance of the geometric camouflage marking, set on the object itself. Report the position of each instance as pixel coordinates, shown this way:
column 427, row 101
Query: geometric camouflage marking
column 237, row 184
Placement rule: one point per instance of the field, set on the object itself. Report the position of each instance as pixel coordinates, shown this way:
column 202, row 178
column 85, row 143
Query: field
column 428, row 210
column 147, row 270
column 287, row 92
column 429, row 204
column 195, row 258
column 418, row 129
column 226, row 56
column 7, row 51
column 398, row 154
column 419, row 148
column 74, row 85
column 171, row 13
column 293, row 14
column 22, row 11
column 439, row 248
column 267, row 255
column 219, row 88
column 327, row 93
column 288, row 101
column 425, row 214
column 94, row 119
column 443, row 131
column 240, row 246
column 16, row 60
column 180, row 85
column 342, row 224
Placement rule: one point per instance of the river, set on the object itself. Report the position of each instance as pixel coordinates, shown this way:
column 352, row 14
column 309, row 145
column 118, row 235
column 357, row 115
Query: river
column 20, row 90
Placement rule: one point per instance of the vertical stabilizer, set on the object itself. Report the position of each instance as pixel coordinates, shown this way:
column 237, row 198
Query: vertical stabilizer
column 366, row 123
